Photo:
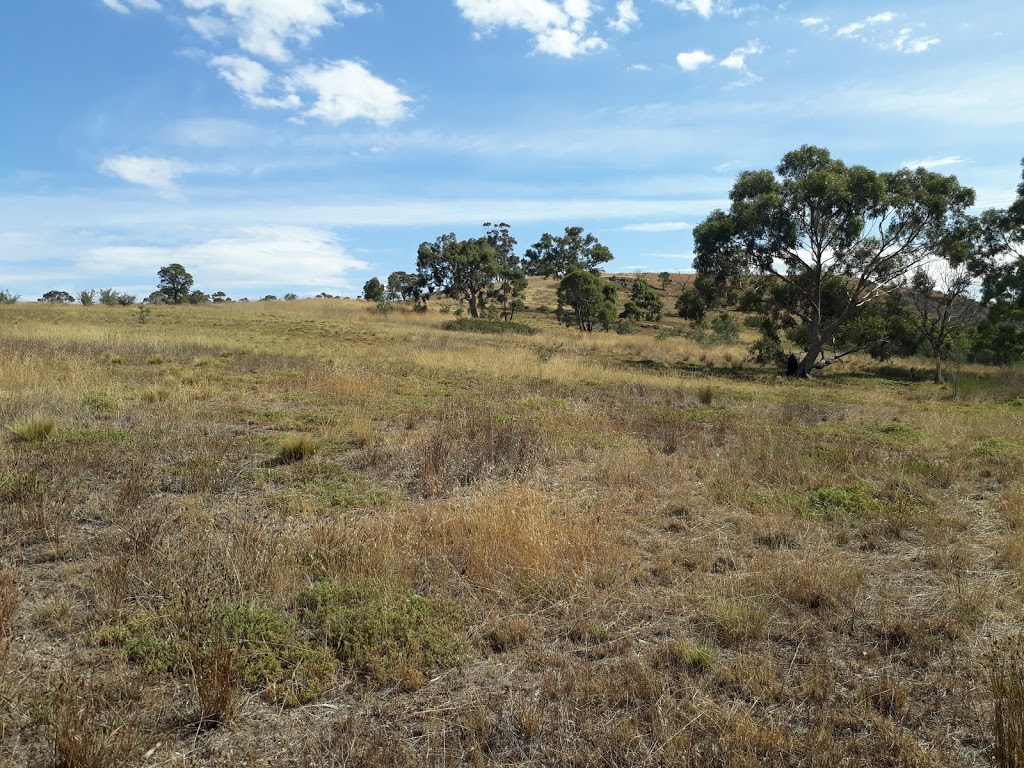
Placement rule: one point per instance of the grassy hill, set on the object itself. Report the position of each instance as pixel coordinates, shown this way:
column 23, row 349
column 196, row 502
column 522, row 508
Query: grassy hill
column 304, row 533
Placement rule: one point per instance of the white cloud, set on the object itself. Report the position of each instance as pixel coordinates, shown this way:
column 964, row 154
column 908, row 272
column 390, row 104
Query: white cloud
column 639, row 68
column 657, row 226
column 156, row 172
column 873, row 31
column 265, row 27
column 905, row 43
column 125, row 6
column 627, row 17
column 250, row 78
column 933, row 162
column 209, row 27
column 346, row 90
column 693, row 60
column 921, row 45
column 881, row 18
column 704, row 8
column 567, row 43
column 849, row 29
column 251, row 257
column 738, row 58
column 557, row 29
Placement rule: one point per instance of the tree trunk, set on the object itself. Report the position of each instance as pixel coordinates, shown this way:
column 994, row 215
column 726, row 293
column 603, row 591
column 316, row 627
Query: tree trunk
column 472, row 306
column 938, row 369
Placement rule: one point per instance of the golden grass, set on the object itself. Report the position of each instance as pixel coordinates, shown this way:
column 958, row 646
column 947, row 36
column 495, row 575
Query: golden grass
column 662, row 554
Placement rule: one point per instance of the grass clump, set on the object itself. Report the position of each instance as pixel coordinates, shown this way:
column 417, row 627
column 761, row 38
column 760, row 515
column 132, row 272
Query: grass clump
column 686, row 655
column 735, row 620
column 482, row 325
column 296, row 448
column 1006, row 681
column 839, row 503
column 34, row 429
column 384, row 630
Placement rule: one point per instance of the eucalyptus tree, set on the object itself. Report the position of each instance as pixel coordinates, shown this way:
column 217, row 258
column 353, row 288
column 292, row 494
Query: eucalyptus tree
column 557, row 256
column 999, row 262
column 812, row 244
column 474, row 270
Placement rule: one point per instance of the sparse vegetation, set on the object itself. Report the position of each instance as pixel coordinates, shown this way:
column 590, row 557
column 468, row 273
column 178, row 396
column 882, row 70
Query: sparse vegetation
column 260, row 521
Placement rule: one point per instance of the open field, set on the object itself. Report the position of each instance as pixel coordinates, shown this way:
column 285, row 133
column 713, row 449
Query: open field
column 304, row 534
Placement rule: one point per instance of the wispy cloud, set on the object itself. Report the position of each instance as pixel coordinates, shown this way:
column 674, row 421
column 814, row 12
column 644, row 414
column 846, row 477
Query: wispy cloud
column 738, row 58
column 265, row 28
column 125, row 6
column 158, row 173
column 657, row 226
column 934, row 162
column 875, row 30
column 703, row 8
column 249, row 257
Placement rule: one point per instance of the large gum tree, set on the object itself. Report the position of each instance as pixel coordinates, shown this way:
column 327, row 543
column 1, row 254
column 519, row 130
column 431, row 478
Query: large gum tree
column 816, row 241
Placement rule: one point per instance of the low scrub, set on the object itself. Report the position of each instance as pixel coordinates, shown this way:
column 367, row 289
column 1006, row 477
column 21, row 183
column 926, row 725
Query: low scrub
column 482, row 325
column 384, row 630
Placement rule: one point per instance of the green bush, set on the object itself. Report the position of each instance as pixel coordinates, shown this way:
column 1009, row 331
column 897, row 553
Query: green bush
column 844, row 502
column 384, row 630
column 269, row 651
column 481, row 325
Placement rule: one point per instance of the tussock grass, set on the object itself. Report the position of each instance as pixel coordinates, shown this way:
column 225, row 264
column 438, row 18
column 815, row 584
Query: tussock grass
column 296, row 448
column 34, row 429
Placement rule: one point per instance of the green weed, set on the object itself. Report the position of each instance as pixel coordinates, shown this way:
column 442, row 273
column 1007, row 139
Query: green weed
column 385, row 630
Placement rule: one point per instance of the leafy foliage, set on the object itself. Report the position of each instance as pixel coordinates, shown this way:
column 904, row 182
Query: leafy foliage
column 814, row 243
column 373, row 289
column 585, row 301
column 384, row 630
column 57, row 297
column 553, row 256
column 175, row 283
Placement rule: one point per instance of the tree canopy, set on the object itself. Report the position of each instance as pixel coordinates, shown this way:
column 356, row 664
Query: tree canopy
column 813, row 243
column 586, row 301
column 472, row 270
column 57, row 297
column 175, row 283
column 553, row 256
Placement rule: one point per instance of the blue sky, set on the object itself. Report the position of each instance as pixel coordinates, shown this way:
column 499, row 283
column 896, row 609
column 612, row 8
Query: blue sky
column 307, row 145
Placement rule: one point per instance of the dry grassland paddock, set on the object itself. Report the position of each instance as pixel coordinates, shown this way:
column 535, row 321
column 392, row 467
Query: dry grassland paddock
column 307, row 534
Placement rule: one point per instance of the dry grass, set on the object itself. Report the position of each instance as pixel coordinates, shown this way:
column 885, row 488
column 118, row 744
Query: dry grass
column 567, row 549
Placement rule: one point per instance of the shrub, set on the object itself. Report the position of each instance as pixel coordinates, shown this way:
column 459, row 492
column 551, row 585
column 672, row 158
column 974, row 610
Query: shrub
column 34, row 429
column 481, row 325
column 7, row 297
column 384, row 630
column 626, row 327
column 296, row 448
column 265, row 648
column 844, row 502
column 87, row 297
